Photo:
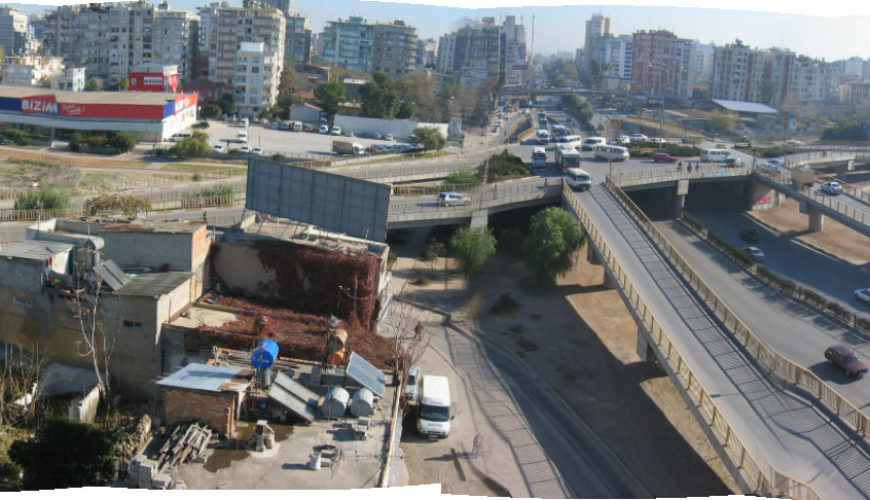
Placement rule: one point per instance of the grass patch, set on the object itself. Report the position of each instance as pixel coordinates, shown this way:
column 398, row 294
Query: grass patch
column 204, row 169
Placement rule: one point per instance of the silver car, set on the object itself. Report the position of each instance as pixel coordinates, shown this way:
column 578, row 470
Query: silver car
column 412, row 387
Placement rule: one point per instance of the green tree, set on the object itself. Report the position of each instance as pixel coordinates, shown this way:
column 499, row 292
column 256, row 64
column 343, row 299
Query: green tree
column 43, row 199
column 722, row 122
column 406, row 110
column 429, row 137
column 554, row 235
column 122, row 141
column 75, row 140
column 379, row 96
column 92, row 84
column 190, row 148
column 329, row 96
column 227, row 103
column 472, row 248
column 65, row 454
column 108, row 203
column 847, row 129
column 419, row 88
column 463, row 177
column 580, row 109
column 210, row 111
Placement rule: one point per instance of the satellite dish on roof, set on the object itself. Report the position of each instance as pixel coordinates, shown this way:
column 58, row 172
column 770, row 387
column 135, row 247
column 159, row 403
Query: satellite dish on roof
column 333, row 321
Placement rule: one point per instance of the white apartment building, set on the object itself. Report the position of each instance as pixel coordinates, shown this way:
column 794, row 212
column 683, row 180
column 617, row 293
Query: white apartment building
column 617, row 61
column 175, row 40
column 446, row 52
column 814, row 81
column 72, row 79
column 231, row 27
column 738, row 73
column 257, row 77
column 31, row 71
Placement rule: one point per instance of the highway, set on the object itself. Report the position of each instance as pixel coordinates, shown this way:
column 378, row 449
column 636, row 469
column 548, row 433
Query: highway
column 780, row 428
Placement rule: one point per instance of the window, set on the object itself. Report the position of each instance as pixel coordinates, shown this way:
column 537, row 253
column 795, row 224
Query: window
column 132, row 324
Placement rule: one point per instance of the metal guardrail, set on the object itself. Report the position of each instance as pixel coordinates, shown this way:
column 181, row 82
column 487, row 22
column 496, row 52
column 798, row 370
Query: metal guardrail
column 699, row 171
column 483, row 197
column 763, row 477
column 800, row 159
column 834, row 204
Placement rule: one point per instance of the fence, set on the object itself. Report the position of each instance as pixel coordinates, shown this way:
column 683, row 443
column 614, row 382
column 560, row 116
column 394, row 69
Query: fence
column 760, row 475
column 483, row 197
column 800, row 159
column 859, row 214
column 699, row 171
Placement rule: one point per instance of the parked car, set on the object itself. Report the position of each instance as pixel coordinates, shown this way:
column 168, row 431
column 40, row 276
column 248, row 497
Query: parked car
column 219, row 148
column 664, row 158
column 733, row 162
column 257, row 151
column 324, row 129
column 335, row 130
column 832, row 188
column 847, row 360
column 749, row 235
column 245, row 148
column 412, row 388
column 388, row 137
column 638, row 137
column 755, row 253
column 623, row 139
column 452, row 198
column 863, row 294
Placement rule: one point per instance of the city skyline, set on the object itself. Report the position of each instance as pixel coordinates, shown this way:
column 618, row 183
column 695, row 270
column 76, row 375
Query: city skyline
column 833, row 38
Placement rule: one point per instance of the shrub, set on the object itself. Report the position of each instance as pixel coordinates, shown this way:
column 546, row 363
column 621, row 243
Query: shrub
column 127, row 205
column 506, row 165
column 75, row 140
column 122, row 141
column 463, row 178
column 44, row 199
column 219, row 190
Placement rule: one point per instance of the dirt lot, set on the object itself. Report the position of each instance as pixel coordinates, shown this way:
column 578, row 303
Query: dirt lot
column 581, row 339
column 834, row 237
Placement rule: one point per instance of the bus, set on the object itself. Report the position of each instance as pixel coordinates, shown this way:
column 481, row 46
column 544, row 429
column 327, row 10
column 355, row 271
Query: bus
column 574, row 141
column 542, row 136
column 539, row 157
column 590, row 143
column 567, row 157
column 715, row 155
column 577, row 179
column 608, row 152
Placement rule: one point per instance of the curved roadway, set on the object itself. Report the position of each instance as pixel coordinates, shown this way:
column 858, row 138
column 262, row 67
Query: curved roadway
column 785, row 430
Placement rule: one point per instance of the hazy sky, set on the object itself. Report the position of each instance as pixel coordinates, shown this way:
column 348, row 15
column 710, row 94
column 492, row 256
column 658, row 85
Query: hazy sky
column 837, row 31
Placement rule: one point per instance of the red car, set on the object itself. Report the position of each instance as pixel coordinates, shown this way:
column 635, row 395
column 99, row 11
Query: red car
column 846, row 359
column 664, row 158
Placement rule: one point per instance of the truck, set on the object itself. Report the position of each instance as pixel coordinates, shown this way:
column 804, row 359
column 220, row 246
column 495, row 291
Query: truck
column 347, row 148
column 434, row 416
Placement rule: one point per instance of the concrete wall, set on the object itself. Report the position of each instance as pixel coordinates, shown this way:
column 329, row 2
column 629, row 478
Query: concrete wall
column 215, row 409
column 401, row 129
column 179, row 251
column 240, row 267
column 305, row 115
column 21, row 273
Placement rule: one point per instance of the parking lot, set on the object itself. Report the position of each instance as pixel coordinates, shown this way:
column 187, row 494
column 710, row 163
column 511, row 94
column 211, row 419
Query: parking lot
column 283, row 142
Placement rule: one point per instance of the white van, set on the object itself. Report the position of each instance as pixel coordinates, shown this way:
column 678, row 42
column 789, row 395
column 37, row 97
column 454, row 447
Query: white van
column 578, row 179
column 242, row 136
column 590, row 143
column 433, row 419
column 715, row 155
column 608, row 152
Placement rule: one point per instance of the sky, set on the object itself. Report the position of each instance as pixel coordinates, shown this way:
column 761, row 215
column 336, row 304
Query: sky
column 835, row 29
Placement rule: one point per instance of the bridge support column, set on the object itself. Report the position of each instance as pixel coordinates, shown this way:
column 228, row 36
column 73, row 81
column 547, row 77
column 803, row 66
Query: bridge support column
column 680, row 197
column 592, row 256
column 817, row 219
column 850, row 165
column 479, row 219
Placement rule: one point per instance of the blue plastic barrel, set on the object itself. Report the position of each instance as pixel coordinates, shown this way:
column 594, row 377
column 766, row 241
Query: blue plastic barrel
column 265, row 354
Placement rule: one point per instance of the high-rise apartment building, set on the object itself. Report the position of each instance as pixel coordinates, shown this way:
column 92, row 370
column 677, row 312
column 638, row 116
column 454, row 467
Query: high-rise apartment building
column 231, row 27
column 348, row 44
column 478, row 54
column 14, row 33
column 258, row 72
column 738, row 72
column 446, row 53
column 661, row 64
column 394, row 49
column 813, row 80
column 112, row 38
column 297, row 48
column 515, row 51
column 597, row 32
column 207, row 35
column 702, row 64
column 616, row 62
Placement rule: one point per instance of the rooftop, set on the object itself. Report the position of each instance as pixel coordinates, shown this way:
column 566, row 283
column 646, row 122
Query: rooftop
column 34, row 249
column 140, row 98
column 209, row 378
column 140, row 226
column 153, row 284
column 745, row 107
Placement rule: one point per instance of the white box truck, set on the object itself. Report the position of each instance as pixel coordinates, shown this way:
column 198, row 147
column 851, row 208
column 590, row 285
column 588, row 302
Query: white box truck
column 347, row 148
column 433, row 418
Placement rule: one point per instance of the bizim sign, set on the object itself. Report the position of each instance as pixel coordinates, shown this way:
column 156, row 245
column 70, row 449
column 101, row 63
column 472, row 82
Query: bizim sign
column 40, row 104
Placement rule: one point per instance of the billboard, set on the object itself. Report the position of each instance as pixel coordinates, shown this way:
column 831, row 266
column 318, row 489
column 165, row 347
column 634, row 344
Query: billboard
column 336, row 203
column 40, row 104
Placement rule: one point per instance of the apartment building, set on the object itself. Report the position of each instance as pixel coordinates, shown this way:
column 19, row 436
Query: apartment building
column 233, row 26
column 394, row 48
column 445, row 54
column 31, row 71
column 426, row 53
column 616, row 62
column 515, row 52
column 257, row 78
column 348, row 44
column 597, row 33
column 738, row 72
column 112, row 38
column 72, row 80
column 207, row 35
column 14, row 33
column 702, row 64
column 297, row 47
column 478, row 54
column 813, row 80
column 661, row 64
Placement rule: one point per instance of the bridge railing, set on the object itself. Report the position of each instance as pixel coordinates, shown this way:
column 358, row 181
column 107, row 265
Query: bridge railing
column 799, row 159
column 759, row 475
column 482, row 197
column 675, row 173
column 826, row 200
column 775, row 363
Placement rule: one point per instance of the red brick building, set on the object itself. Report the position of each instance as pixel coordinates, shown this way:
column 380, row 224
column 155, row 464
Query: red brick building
column 660, row 64
column 209, row 394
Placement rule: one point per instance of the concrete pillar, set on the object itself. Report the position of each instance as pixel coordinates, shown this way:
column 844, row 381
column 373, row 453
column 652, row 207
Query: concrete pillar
column 608, row 281
column 850, row 165
column 817, row 219
column 591, row 255
column 479, row 219
column 643, row 342
column 679, row 203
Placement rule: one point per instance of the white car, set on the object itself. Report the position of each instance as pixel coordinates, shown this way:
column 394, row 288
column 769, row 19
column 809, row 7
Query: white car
column 324, row 129
column 388, row 137
column 638, row 137
column 335, row 131
column 257, row 151
column 219, row 148
column 755, row 253
column 412, row 388
column 863, row 294
column 832, row 188
column 623, row 139
column 451, row 198
column 245, row 148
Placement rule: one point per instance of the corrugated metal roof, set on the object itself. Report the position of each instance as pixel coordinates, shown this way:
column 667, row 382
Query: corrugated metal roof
column 153, row 284
column 35, row 249
column 745, row 107
column 201, row 377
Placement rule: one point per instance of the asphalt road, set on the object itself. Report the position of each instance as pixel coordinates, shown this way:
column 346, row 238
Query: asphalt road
column 789, row 432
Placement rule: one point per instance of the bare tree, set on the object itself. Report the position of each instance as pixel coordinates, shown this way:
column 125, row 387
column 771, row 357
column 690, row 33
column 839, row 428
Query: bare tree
column 20, row 373
column 410, row 335
column 95, row 343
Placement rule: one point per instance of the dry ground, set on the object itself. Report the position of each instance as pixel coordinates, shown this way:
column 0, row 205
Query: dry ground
column 580, row 337
column 834, row 237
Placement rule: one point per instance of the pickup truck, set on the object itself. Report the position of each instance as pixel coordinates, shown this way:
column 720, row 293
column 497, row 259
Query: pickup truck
column 347, row 148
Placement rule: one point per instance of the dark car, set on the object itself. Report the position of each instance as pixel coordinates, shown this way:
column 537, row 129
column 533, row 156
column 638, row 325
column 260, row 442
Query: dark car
column 664, row 158
column 749, row 235
column 846, row 359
